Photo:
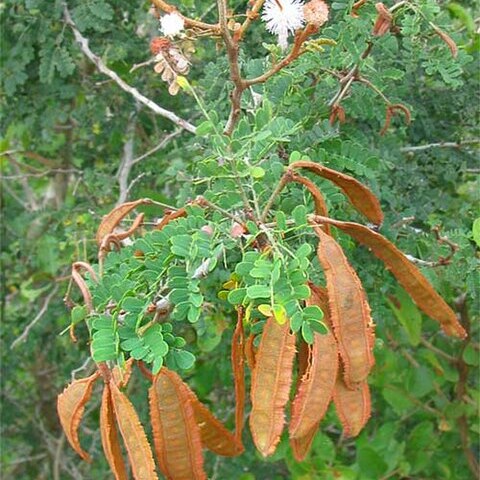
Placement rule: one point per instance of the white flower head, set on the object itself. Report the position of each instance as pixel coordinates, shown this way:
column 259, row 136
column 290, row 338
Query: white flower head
column 282, row 18
column 171, row 24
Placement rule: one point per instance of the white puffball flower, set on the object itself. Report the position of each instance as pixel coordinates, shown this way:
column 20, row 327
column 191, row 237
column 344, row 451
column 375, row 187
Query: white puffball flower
column 172, row 24
column 282, row 18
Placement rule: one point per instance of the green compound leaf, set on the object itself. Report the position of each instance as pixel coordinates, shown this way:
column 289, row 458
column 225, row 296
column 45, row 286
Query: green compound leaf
column 258, row 291
column 79, row 313
column 237, row 296
column 183, row 359
column 313, row 312
column 307, row 332
column 296, row 322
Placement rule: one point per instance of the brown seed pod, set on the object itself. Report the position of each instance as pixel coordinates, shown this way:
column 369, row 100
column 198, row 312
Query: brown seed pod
column 176, row 434
column 70, row 407
column 407, row 274
column 316, row 385
column 238, row 368
column 391, row 111
column 134, row 438
column 353, row 406
column 358, row 194
column 301, row 446
column 271, row 383
column 349, row 310
column 319, row 201
column 383, row 23
column 337, row 112
column 447, row 39
column 110, row 439
column 181, row 212
column 250, row 352
column 112, row 219
column 213, row 433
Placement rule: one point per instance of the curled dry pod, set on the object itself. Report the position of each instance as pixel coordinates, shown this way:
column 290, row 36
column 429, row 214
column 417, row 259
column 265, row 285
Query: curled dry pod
column 238, row 368
column 70, row 407
column 176, row 434
column 213, row 433
column 409, row 277
column 359, row 195
column 349, row 311
column 316, row 385
column 112, row 219
column 353, row 406
column 110, row 439
column 134, row 438
column 134, row 227
column 319, row 201
column 271, row 381
column 181, row 212
column 82, row 285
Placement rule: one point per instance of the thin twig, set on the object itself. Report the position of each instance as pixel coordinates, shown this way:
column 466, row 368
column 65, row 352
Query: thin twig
column 58, row 455
column 29, row 195
column 375, row 89
column 278, row 189
column 167, row 8
column 436, row 350
column 12, row 193
column 252, row 14
column 158, row 147
column 295, row 52
column 126, row 163
column 38, row 317
column 232, row 48
column 428, row 146
column 134, row 182
column 82, row 368
column 204, row 201
column 83, row 42
column 39, row 175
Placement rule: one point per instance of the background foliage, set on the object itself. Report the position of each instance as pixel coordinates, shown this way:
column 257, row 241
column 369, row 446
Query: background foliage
column 67, row 129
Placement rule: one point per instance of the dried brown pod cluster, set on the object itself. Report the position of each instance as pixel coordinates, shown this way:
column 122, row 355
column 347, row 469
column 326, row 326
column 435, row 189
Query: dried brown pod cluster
column 333, row 369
